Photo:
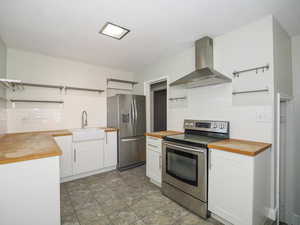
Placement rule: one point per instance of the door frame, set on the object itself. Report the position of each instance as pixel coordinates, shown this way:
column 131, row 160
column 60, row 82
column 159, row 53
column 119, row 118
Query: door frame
column 147, row 93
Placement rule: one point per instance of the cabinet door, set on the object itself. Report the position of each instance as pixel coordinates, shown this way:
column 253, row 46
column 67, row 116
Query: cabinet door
column 110, row 149
column 153, row 165
column 66, row 159
column 230, row 188
column 88, row 156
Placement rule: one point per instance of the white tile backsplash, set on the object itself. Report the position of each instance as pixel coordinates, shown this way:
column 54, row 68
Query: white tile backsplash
column 34, row 119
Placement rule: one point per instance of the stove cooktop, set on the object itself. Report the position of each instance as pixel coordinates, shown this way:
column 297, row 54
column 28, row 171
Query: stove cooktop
column 201, row 132
column 192, row 139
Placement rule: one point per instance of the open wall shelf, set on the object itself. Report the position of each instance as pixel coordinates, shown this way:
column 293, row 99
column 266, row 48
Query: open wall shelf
column 120, row 81
column 15, row 85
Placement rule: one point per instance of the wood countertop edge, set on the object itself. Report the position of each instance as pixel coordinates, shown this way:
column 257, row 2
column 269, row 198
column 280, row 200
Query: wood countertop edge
column 153, row 135
column 241, row 151
column 31, row 157
column 157, row 135
column 54, row 151
column 62, row 134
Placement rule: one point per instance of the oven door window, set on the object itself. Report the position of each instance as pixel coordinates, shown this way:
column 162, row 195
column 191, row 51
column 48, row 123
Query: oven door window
column 182, row 165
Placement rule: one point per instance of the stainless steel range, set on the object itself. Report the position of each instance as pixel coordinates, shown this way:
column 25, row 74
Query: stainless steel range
column 185, row 163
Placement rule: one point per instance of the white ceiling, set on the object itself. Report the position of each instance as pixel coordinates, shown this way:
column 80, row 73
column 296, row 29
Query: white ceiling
column 69, row 28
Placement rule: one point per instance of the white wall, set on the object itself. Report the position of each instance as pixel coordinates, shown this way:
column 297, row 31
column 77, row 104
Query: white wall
column 247, row 47
column 37, row 68
column 283, row 83
column 250, row 115
column 2, row 89
column 282, row 61
column 296, row 122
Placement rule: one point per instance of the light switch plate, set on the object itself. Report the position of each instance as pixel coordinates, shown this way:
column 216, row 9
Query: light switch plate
column 263, row 116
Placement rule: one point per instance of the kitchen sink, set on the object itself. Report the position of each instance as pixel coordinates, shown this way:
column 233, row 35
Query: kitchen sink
column 85, row 134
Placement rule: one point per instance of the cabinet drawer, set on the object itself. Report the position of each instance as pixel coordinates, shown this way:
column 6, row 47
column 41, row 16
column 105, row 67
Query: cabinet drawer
column 153, row 142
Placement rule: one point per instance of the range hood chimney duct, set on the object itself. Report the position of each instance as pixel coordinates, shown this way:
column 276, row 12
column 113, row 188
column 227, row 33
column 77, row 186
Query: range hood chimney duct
column 204, row 75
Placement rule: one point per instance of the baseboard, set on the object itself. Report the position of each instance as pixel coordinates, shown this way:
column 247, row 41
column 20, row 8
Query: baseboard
column 296, row 219
column 218, row 218
column 82, row 175
column 271, row 214
column 155, row 182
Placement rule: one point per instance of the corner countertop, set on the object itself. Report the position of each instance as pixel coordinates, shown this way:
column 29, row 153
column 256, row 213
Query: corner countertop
column 17, row 147
column 250, row 148
column 162, row 134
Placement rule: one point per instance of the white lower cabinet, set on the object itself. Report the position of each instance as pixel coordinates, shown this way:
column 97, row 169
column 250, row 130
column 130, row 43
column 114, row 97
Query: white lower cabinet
column 88, row 156
column 238, row 187
column 84, row 158
column 110, row 149
column 154, row 165
column 66, row 159
column 154, row 160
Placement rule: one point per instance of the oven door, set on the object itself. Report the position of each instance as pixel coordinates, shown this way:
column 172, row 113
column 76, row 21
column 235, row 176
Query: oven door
column 185, row 168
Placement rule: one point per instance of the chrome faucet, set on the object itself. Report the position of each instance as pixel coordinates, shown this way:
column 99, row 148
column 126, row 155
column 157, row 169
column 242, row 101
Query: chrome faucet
column 84, row 121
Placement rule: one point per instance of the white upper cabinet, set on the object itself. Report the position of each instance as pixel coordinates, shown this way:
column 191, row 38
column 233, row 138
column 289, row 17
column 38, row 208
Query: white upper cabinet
column 110, row 149
column 66, row 159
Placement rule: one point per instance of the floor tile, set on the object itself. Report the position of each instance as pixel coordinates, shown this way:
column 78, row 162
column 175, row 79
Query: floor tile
column 123, row 217
column 66, row 208
column 90, row 214
column 139, row 222
column 121, row 198
column 158, row 219
column 174, row 210
column 144, row 207
column 81, row 202
column 100, row 221
column 113, row 205
column 104, row 195
column 69, row 220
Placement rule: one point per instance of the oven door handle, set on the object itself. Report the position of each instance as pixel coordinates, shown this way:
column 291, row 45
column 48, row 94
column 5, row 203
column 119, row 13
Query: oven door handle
column 186, row 148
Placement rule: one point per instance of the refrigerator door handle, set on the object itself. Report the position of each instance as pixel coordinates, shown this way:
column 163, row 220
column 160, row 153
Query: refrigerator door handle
column 135, row 110
column 132, row 139
column 131, row 113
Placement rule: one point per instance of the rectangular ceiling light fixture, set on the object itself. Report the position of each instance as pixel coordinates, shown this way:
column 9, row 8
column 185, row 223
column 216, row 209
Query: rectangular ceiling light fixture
column 114, row 31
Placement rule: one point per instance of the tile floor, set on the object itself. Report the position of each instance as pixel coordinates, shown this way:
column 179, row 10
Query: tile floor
column 121, row 198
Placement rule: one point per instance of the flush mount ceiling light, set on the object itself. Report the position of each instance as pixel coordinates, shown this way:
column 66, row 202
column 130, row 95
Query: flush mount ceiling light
column 114, row 31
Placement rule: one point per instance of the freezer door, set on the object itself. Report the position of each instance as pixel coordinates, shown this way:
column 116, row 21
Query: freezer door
column 139, row 114
column 132, row 150
column 126, row 116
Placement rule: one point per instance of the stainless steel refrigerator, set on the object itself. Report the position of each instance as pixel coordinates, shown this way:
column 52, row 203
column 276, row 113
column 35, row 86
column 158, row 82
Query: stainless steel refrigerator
column 128, row 113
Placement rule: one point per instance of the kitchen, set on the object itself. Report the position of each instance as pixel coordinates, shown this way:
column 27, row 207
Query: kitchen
column 50, row 80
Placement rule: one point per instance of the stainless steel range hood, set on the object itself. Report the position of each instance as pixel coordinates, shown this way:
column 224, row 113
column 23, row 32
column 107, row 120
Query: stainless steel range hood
column 204, row 75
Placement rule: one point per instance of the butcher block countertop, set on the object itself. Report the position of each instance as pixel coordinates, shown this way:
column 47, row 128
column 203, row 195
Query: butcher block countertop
column 109, row 129
column 17, row 147
column 250, row 148
column 162, row 134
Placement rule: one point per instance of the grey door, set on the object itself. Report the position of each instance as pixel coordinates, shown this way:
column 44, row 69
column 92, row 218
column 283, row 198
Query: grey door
column 126, row 116
column 131, row 151
column 160, row 110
